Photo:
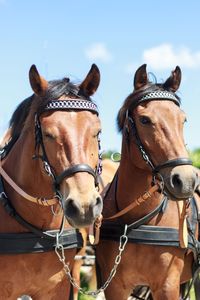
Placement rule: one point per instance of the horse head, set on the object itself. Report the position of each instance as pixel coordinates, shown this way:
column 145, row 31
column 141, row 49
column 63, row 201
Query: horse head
column 65, row 124
column 152, row 124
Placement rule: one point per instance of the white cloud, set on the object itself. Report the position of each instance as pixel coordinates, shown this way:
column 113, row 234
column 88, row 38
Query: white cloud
column 165, row 56
column 98, row 51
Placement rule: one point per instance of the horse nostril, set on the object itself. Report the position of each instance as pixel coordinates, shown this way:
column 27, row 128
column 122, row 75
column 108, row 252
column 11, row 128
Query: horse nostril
column 71, row 208
column 176, row 181
column 98, row 201
column 96, row 208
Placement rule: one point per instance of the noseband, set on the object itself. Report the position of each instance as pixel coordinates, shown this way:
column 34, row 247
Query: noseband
column 75, row 105
column 151, row 96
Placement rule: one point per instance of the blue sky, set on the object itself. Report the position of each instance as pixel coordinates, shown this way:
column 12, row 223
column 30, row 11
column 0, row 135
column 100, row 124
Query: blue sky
column 63, row 38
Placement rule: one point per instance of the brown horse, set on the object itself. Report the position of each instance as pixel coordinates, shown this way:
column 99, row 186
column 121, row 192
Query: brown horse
column 153, row 159
column 105, row 179
column 49, row 170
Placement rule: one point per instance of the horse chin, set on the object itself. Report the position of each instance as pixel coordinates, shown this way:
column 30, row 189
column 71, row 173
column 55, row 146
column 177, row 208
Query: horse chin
column 78, row 224
column 174, row 197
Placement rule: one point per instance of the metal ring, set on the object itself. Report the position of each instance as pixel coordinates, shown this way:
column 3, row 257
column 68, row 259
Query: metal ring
column 113, row 157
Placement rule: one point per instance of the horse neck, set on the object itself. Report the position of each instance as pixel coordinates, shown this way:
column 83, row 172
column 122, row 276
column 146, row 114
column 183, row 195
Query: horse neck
column 132, row 183
column 28, row 174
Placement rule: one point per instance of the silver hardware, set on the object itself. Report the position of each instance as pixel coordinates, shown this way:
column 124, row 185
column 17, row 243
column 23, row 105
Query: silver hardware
column 47, row 169
column 3, row 195
column 2, row 151
column 116, row 157
column 59, row 250
column 53, row 211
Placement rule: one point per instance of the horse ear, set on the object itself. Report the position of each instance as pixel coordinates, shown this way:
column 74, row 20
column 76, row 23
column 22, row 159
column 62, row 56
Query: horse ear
column 140, row 78
column 90, row 84
column 38, row 83
column 173, row 82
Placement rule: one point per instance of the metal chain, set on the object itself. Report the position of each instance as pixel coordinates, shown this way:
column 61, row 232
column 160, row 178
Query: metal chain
column 61, row 255
column 145, row 156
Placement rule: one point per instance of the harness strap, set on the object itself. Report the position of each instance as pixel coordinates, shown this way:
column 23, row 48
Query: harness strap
column 146, row 235
column 76, row 169
column 36, row 240
column 160, row 208
column 8, row 146
column 13, row 213
column 137, row 202
column 183, row 231
column 17, row 243
column 41, row 201
column 173, row 163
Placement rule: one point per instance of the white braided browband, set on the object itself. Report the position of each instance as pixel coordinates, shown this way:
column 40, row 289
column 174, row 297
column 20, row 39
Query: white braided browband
column 75, row 104
column 160, row 95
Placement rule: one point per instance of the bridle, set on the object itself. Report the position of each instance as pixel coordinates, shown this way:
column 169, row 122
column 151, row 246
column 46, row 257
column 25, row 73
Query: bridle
column 152, row 96
column 75, row 105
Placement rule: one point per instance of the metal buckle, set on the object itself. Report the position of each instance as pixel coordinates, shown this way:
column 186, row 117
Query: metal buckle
column 3, row 195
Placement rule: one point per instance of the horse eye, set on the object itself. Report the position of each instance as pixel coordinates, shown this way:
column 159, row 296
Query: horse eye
column 145, row 120
column 98, row 134
column 49, row 136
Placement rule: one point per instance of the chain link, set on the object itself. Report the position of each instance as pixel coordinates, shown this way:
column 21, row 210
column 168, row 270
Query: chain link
column 59, row 250
column 145, row 157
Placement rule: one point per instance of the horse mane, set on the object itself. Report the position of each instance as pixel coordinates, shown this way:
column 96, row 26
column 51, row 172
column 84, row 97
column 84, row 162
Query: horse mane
column 135, row 96
column 19, row 116
column 56, row 88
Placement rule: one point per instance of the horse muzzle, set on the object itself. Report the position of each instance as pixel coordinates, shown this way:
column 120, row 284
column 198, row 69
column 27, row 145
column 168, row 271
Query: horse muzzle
column 181, row 182
column 82, row 215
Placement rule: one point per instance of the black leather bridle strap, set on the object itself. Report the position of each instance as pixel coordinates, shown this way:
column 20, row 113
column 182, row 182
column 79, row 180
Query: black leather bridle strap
column 76, row 169
column 72, row 104
column 138, row 142
column 144, row 220
column 155, row 169
column 173, row 163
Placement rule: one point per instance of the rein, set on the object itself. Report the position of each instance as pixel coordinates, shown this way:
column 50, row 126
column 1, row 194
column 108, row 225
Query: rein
column 137, row 202
column 41, row 201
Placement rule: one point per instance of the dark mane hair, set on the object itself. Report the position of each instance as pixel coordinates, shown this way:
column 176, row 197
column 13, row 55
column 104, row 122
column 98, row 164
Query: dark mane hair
column 19, row 116
column 131, row 100
column 56, row 88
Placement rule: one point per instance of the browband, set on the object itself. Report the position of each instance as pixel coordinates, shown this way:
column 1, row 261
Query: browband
column 160, row 95
column 157, row 95
column 74, row 104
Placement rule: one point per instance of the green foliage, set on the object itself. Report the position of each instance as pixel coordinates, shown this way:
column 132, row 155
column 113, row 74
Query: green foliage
column 110, row 154
column 85, row 297
column 85, row 286
column 107, row 154
column 195, row 156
